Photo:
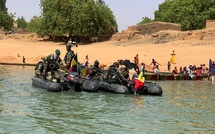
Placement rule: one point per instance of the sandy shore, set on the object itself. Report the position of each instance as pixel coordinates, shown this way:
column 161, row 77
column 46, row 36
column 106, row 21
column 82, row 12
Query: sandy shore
column 187, row 52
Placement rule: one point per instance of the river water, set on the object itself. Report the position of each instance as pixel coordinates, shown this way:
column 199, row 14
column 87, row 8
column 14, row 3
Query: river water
column 184, row 107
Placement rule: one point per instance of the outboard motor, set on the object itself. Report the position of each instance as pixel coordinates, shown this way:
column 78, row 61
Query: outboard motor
column 73, row 81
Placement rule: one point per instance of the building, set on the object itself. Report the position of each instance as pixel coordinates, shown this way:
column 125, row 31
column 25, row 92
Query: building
column 154, row 27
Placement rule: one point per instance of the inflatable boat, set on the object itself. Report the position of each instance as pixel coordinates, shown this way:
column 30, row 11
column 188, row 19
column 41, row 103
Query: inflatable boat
column 75, row 83
column 46, row 84
column 149, row 88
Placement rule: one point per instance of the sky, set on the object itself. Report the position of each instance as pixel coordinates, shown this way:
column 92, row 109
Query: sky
column 126, row 12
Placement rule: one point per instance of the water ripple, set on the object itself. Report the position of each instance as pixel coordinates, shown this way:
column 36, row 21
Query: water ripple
column 185, row 107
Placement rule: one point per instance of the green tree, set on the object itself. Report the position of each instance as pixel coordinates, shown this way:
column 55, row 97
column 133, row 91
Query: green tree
column 6, row 20
column 191, row 14
column 3, row 6
column 21, row 22
column 145, row 20
column 34, row 25
column 76, row 17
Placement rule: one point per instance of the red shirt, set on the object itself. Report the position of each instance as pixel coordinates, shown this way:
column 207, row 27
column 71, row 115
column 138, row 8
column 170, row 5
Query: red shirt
column 198, row 72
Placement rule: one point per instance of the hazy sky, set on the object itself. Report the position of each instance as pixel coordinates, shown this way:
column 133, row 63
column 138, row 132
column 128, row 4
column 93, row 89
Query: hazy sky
column 127, row 12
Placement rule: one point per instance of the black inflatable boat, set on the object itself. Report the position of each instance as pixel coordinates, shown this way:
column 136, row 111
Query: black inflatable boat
column 46, row 84
column 75, row 83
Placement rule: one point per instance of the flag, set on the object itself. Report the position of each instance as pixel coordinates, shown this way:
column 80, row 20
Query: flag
column 139, row 82
column 74, row 64
column 84, row 72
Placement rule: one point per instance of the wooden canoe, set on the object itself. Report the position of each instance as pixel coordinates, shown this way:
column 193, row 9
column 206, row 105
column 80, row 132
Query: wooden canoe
column 169, row 76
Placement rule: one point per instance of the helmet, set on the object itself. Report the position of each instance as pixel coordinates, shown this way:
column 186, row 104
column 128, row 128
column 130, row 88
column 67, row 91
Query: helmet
column 57, row 51
column 43, row 59
column 116, row 64
column 96, row 62
column 68, row 45
column 123, row 66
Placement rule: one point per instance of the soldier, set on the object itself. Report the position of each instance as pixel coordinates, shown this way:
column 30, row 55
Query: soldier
column 95, row 70
column 39, row 68
column 51, row 66
column 68, row 57
column 112, row 73
column 124, row 75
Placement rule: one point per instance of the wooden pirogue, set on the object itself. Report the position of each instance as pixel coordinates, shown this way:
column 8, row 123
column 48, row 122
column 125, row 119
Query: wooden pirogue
column 169, row 76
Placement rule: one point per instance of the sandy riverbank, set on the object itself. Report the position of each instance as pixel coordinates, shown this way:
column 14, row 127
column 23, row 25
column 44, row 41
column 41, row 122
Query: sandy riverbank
column 110, row 51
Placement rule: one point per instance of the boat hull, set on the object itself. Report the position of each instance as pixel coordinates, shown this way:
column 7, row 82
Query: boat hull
column 149, row 88
column 151, row 76
column 45, row 84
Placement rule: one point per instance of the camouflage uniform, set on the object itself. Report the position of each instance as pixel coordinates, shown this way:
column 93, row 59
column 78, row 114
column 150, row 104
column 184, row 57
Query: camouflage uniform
column 95, row 71
column 124, row 75
column 68, row 58
column 39, row 69
column 51, row 66
column 112, row 75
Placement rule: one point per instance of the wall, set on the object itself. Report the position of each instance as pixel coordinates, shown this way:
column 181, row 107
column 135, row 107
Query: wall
column 154, row 27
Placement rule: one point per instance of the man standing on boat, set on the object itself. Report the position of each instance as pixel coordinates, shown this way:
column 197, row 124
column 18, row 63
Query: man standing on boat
column 68, row 57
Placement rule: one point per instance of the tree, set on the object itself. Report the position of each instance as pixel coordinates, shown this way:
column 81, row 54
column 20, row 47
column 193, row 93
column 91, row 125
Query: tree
column 82, row 18
column 191, row 14
column 3, row 6
column 145, row 20
column 6, row 20
column 34, row 25
column 21, row 22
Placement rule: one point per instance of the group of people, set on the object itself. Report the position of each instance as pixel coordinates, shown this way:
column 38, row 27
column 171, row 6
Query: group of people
column 116, row 73
column 48, row 66
column 191, row 70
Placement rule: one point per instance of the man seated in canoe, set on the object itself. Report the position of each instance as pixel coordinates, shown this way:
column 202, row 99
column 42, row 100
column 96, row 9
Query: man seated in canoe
column 175, row 73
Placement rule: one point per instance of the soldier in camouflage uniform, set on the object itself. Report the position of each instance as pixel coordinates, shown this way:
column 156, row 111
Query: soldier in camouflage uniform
column 124, row 75
column 116, row 75
column 95, row 71
column 112, row 73
column 48, row 67
column 69, row 56
column 39, row 68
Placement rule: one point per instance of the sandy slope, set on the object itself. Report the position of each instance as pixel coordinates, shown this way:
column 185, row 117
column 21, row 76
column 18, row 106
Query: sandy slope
column 192, row 51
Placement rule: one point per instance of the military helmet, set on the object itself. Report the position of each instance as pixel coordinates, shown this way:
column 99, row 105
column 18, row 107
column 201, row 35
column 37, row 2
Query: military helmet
column 116, row 64
column 43, row 59
column 68, row 45
column 96, row 62
column 123, row 66
column 57, row 51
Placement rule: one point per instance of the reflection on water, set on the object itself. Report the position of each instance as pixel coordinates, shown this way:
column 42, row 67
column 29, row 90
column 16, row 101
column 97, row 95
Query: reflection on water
column 185, row 107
